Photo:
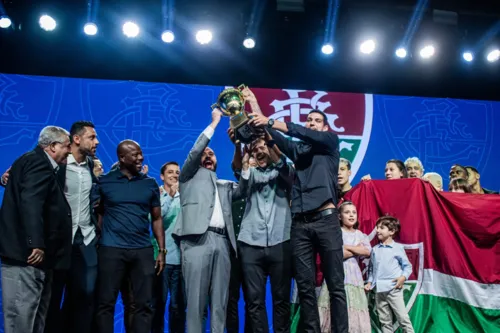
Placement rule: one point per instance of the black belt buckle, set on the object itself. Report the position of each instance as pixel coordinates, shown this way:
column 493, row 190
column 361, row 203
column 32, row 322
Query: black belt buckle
column 220, row 231
column 313, row 217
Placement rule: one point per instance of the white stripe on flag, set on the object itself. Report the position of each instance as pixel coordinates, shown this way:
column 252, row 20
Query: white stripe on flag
column 480, row 295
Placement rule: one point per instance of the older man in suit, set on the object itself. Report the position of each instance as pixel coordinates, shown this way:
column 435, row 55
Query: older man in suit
column 35, row 237
column 206, row 233
column 77, row 179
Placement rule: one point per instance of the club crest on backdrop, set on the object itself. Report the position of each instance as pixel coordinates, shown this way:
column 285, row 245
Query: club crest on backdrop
column 349, row 115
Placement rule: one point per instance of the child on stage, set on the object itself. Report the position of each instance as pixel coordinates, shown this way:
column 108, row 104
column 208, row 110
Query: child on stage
column 388, row 270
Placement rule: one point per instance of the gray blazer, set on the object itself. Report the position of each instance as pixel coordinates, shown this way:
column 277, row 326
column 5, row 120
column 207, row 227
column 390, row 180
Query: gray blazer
column 197, row 196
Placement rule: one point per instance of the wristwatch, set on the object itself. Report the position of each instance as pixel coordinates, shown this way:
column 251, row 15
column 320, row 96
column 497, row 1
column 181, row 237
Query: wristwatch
column 270, row 123
column 164, row 251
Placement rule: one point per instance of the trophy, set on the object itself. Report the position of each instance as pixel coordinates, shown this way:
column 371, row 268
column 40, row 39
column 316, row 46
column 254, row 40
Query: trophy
column 232, row 104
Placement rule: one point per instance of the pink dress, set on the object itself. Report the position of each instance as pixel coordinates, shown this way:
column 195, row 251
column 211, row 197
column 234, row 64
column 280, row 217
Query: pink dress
column 357, row 302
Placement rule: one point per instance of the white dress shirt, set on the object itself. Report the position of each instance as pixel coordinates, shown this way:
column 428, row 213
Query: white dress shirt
column 77, row 191
column 217, row 220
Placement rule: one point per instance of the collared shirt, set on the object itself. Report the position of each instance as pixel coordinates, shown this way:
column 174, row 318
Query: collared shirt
column 127, row 204
column 77, row 191
column 238, row 209
column 316, row 160
column 217, row 220
column 267, row 219
column 52, row 161
column 388, row 262
column 170, row 208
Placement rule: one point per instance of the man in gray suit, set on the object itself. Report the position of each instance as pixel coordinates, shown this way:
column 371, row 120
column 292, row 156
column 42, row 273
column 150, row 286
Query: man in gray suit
column 206, row 233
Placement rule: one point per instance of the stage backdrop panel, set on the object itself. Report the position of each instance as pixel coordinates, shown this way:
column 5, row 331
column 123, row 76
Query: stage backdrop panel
column 167, row 118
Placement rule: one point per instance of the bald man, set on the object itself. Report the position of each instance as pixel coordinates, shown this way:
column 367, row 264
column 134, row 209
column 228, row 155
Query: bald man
column 128, row 196
column 435, row 179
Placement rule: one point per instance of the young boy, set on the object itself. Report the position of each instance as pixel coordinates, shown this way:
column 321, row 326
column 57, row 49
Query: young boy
column 388, row 270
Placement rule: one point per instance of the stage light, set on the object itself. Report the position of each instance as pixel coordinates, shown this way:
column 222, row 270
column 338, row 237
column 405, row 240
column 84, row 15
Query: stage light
column 167, row 36
column 131, row 30
column 47, row 23
column 468, row 56
column 249, row 43
column 5, row 22
column 367, row 47
column 493, row 56
column 204, row 36
column 401, row 53
column 90, row 29
column 427, row 51
column 327, row 49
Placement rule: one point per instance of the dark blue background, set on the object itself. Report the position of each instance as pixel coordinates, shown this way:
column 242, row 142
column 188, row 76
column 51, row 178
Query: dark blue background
column 166, row 119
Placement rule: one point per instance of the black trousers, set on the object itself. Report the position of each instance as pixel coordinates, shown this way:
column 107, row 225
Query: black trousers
column 53, row 323
column 235, row 284
column 79, row 298
column 325, row 237
column 258, row 263
column 79, row 287
column 116, row 265
column 170, row 282
column 128, row 304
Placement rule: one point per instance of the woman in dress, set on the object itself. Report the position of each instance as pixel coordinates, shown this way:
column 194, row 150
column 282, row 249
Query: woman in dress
column 356, row 245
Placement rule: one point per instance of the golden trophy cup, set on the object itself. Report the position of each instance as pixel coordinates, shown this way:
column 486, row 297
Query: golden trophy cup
column 232, row 104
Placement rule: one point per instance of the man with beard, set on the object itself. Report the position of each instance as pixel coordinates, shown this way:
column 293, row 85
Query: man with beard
column 264, row 238
column 458, row 171
column 315, row 224
column 206, row 233
column 473, row 179
column 77, row 179
column 128, row 198
column 35, row 236
column 171, row 280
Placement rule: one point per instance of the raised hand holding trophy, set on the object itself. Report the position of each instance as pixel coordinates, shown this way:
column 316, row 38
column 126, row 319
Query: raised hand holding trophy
column 232, row 104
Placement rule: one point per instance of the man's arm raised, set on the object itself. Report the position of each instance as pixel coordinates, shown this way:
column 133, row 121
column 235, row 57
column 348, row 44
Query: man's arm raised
column 192, row 162
column 325, row 139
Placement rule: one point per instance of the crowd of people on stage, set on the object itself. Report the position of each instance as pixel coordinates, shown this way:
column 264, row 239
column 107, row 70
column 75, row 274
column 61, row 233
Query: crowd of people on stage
column 70, row 229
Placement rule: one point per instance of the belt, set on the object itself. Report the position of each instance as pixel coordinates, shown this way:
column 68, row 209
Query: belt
column 314, row 216
column 220, row 231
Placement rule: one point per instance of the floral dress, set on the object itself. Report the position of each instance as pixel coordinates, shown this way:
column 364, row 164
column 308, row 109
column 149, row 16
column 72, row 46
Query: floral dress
column 357, row 302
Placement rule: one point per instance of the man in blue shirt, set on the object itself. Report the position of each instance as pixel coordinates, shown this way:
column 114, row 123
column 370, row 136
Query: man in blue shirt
column 315, row 225
column 127, row 198
column 264, row 237
column 171, row 280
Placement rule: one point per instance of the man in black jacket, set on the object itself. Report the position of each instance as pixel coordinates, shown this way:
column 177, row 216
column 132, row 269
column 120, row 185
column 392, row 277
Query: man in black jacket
column 77, row 179
column 35, row 220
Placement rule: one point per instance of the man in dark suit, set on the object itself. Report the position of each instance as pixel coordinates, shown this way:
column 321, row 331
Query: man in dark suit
column 206, row 233
column 35, row 237
column 77, row 179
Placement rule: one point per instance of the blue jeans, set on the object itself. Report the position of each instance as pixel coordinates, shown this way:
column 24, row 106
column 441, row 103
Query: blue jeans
column 170, row 281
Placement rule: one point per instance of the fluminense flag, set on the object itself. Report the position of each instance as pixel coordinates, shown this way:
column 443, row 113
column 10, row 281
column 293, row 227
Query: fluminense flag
column 452, row 240
column 453, row 243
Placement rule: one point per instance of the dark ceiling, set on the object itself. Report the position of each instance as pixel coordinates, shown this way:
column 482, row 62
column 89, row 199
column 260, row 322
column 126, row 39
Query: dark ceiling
column 287, row 52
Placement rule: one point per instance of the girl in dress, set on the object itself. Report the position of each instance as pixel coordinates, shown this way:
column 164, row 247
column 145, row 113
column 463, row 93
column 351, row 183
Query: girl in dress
column 356, row 244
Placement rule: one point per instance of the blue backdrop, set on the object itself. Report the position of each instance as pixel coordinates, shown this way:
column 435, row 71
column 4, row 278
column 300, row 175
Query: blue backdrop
column 166, row 119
